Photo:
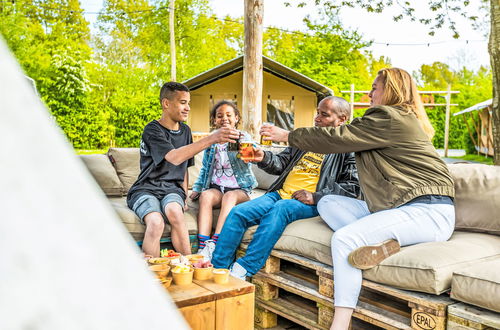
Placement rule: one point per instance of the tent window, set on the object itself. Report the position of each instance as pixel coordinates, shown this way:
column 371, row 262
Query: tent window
column 281, row 112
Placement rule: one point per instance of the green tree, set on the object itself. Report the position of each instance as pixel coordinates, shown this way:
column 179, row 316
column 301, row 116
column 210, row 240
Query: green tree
column 444, row 15
column 328, row 53
column 133, row 57
column 474, row 87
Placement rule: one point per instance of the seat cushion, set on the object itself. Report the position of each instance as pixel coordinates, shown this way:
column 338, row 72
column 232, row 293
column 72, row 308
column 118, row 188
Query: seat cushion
column 477, row 199
column 104, row 173
column 429, row 267
column 478, row 284
column 307, row 237
column 127, row 164
column 134, row 226
column 426, row 267
column 194, row 206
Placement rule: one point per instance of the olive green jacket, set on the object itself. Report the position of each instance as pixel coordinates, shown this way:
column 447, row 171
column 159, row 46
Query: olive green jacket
column 396, row 161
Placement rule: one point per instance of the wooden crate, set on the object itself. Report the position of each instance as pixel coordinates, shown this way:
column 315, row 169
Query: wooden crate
column 287, row 277
column 464, row 317
column 211, row 306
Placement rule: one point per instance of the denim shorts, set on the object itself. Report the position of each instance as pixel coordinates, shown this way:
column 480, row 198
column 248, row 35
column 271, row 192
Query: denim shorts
column 221, row 188
column 146, row 204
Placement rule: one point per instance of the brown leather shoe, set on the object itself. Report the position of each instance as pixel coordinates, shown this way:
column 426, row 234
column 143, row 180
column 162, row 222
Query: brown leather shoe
column 369, row 256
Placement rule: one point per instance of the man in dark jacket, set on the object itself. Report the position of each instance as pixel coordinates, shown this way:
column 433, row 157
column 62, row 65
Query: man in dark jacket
column 304, row 177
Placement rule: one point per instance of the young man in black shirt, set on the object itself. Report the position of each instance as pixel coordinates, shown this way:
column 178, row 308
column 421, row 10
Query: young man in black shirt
column 167, row 150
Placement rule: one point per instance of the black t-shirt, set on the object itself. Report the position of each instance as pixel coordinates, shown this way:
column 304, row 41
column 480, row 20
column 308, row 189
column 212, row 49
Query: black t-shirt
column 159, row 177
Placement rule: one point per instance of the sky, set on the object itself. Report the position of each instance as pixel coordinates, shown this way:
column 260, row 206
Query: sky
column 419, row 48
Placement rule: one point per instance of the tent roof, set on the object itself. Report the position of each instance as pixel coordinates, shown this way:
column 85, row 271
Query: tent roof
column 271, row 66
column 475, row 107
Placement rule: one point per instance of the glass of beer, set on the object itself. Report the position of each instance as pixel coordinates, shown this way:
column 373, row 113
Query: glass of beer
column 246, row 149
column 234, row 146
column 266, row 142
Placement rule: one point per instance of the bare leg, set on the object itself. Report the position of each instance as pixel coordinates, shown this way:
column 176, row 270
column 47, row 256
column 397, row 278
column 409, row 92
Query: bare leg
column 208, row 199
column 154, row 230
column 341, row 318
column 229, row 200
column 180, row 234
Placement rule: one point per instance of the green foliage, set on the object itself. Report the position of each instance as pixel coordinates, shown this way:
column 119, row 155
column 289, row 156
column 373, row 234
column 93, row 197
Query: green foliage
column 474, row 87
column 103, row 96
column 328, row 53
column 476, row 158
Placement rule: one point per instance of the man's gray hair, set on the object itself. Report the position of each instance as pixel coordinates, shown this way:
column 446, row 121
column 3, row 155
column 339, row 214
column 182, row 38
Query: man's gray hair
column 339, row 105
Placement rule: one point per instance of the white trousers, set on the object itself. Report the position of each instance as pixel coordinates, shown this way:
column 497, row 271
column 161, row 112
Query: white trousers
column 355, row 226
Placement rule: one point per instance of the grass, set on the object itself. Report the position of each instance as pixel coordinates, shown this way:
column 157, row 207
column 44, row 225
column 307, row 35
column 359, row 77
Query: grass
column 90, row 152
column 476, row 158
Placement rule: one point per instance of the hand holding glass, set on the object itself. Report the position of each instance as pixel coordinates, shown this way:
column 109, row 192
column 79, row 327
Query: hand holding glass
column 266, row 142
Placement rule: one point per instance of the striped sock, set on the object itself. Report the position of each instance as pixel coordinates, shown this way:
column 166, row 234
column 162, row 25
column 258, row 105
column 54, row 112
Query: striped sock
column 215, row 237
column 201, row 240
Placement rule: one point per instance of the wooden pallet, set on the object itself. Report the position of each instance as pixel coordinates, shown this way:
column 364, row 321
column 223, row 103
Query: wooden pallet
column 301, row 290
column 463, row 317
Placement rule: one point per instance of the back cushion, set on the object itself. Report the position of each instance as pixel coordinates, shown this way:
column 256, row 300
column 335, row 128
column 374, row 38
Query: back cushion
column 477, row 197
column 104, row 173
column 264, row 179
column 194, row 171
column 127, row 164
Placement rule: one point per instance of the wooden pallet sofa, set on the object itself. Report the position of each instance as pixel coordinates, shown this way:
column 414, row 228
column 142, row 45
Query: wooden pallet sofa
column 408, row 290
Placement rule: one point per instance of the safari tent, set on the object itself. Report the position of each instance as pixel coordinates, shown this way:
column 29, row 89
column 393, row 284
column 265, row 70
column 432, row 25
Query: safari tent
column 289, row 98
column 483, row 126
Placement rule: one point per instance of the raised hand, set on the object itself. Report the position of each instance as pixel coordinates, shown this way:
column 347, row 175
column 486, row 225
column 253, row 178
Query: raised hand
column 226, row 134
column 273, row 133
column 258, row 156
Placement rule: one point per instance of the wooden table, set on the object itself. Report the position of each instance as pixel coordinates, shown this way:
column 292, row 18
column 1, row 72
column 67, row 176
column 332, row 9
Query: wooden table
column 208, row 305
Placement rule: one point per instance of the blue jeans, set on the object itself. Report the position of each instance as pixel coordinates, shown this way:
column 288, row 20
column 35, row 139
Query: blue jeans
column 272, row 214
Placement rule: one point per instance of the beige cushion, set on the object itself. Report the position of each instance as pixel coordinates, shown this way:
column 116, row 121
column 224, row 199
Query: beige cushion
column 477, row 199
column 478, row 284
column 136, row 229
column 127, row 164
column 307, row 237
column 194, row 206
column 104, row 173
column 428, row 267
column 264, row 179
column 194, row 171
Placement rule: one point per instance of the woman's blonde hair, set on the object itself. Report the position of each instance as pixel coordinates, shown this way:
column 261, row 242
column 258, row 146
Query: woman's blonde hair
column 400, row 89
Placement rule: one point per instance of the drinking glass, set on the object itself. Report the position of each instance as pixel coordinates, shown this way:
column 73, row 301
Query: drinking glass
column 266, row 142
column 234, row 146
column 246, row 149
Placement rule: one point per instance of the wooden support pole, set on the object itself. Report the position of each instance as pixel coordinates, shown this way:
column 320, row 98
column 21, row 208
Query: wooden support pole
column 469, row 130
column 352, row 103
column 171, row 26
column 447, row 121
column 252, row 67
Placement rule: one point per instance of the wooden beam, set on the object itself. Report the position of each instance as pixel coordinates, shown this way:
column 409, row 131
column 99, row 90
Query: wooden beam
column 252, row 67
column 469, row 130
column 171, row 27
column 447, row 121
column 352, row 103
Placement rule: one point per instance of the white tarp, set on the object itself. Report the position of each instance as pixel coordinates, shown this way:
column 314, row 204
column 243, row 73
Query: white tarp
column 475, row 107
column 66, row 261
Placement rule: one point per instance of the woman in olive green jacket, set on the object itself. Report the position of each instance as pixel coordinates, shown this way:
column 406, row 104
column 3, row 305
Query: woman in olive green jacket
column 407, row 188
